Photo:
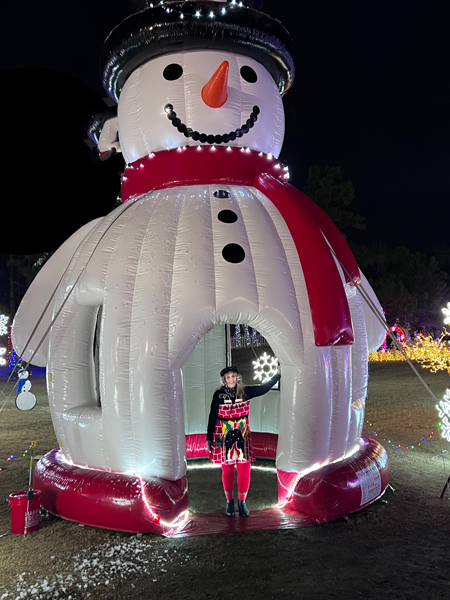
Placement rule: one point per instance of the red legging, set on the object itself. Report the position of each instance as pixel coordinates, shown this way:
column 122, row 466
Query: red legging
column 243, row 479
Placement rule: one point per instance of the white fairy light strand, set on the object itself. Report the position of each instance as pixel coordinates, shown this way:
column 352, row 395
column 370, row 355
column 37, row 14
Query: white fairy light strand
column 210, row 14
column 244, row 149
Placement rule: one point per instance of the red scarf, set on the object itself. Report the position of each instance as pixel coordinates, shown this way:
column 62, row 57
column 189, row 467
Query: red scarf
column 196, row 165
column 307, row 222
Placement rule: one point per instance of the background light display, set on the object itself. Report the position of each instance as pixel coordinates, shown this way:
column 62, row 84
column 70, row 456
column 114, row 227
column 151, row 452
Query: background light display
column 265, row 367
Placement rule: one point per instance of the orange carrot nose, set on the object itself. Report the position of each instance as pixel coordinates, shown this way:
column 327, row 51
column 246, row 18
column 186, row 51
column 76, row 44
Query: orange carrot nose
column 214, row 93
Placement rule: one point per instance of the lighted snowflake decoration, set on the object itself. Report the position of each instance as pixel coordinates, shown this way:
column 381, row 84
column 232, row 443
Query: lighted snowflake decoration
column 446, row 312
column 444, row 414
column 2, row 360
column 265, row 367
column 3, row 327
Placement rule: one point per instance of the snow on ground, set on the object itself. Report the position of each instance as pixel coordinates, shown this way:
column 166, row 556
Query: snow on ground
column 91, row 568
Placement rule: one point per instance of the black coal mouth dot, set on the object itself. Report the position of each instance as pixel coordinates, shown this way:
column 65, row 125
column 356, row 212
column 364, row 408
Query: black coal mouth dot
column 204, row 138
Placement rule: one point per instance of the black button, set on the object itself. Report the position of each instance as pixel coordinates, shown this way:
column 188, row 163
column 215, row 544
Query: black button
column 222, row 194
column 233, row 253
column 227, row 216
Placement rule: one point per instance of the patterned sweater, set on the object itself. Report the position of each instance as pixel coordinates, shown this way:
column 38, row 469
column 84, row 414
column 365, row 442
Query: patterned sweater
column 227, row 412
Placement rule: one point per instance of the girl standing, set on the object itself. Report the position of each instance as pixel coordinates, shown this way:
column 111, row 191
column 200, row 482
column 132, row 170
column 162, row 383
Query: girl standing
column 228, row 436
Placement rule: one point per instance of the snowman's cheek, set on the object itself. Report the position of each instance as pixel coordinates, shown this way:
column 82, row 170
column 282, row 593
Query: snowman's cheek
column 268, row 133
column 264, row 93
column 264, row 140
column 143, row 124
column 143, row 127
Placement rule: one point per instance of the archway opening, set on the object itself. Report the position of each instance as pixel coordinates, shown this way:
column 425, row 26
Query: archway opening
column 248, row 350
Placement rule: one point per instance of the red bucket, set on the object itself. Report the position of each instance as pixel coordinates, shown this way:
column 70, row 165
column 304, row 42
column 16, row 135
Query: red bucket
column 25, row 511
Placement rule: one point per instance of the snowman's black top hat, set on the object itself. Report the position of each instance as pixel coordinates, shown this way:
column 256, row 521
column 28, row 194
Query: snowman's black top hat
column 174, row 26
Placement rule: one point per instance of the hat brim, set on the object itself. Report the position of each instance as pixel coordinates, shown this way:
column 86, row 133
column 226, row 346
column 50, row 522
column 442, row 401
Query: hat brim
column 153, row 32
column 226, row 370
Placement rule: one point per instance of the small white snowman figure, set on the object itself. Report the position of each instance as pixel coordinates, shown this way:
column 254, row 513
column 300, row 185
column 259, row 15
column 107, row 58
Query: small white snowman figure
column 25, row 400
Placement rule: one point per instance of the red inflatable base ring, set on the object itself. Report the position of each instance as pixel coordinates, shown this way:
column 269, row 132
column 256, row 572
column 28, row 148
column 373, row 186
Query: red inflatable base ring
column 337, row 489
column 107, row 500
column 129, row 503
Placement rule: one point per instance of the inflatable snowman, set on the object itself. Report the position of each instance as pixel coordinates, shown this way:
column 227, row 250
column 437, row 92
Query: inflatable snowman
column 209, row 233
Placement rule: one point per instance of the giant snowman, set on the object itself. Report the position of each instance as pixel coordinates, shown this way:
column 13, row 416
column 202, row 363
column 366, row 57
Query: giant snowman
column 128, row 315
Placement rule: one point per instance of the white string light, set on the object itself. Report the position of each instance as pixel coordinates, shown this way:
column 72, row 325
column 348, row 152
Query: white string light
column 446, row 312
column 3, row 327
column 212, row 148
column 444, row 413
column 198, row 13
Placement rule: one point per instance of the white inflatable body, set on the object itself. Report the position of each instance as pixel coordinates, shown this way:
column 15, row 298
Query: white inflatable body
column 146, row 284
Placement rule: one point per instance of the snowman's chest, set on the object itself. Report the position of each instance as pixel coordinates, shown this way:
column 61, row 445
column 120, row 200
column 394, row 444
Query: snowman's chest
column 213, row 229
column 201, row 252
column 186, row 257
column 172, row 264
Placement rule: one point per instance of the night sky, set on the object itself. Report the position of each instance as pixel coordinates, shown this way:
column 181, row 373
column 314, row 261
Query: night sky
column 371, row 95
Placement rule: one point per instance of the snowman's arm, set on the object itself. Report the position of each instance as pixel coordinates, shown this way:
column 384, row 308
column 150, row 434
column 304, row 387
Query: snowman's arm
column 109, row 137
column 31, row 342
column 103, row 130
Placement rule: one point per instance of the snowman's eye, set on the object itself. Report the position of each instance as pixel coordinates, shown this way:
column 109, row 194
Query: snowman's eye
column 172, row 72
column 248, row 74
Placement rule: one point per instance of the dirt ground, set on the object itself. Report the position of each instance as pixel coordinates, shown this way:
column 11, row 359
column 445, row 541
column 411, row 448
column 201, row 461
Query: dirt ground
column 396, row 548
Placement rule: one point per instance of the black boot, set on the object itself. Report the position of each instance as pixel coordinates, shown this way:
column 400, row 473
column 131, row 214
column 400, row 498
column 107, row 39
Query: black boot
column 243, row 510
column 230, row 508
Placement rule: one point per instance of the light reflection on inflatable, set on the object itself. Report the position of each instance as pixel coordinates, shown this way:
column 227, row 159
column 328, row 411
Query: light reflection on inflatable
column 176, row 524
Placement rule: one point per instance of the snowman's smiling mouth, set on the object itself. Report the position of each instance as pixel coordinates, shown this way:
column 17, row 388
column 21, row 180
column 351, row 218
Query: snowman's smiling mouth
column 211, row 139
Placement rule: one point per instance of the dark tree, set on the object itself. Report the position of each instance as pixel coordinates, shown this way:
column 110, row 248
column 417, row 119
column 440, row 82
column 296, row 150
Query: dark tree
column 325, row 185
column 410, row 286
column 22, row 270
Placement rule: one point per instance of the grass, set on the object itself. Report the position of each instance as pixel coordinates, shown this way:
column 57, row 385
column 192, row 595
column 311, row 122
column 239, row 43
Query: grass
column 397, row 547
